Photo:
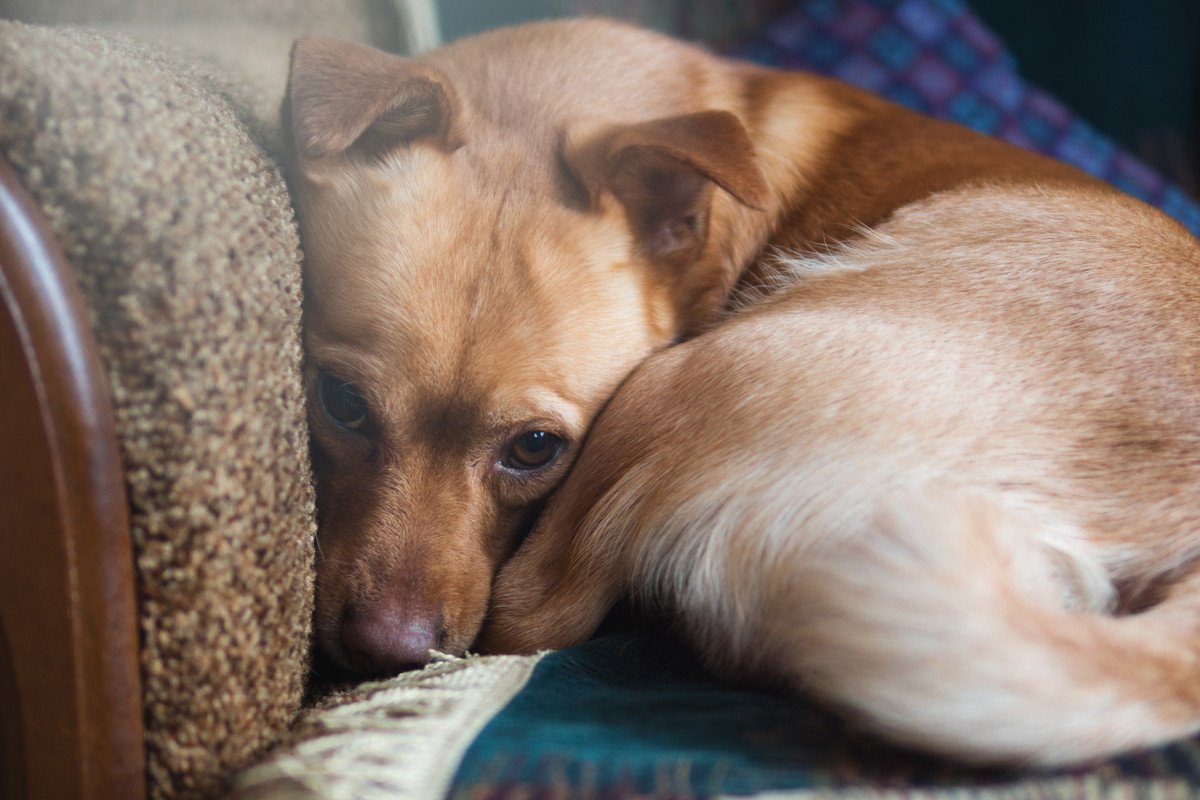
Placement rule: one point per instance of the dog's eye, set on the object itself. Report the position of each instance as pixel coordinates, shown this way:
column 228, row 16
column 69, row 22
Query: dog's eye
column 343, row 402
column 532, row 450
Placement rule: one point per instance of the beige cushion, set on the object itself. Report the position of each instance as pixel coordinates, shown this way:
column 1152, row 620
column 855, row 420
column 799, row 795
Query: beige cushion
column 181, row 232
column 249, row 40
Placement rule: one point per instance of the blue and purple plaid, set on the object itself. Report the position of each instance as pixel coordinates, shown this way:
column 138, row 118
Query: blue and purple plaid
column 936, row 57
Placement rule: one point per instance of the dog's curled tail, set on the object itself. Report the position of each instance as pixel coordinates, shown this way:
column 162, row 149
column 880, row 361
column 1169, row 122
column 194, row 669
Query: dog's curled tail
column 928, row 626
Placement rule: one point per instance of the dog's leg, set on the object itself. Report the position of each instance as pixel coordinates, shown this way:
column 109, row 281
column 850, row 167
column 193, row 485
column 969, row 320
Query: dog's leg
column 555, row 595
column 560, row 587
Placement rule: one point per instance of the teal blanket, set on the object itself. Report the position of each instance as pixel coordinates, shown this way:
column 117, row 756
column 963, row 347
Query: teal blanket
column 633, row 715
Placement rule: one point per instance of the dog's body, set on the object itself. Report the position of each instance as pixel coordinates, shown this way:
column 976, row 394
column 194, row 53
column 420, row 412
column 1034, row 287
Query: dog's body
column 931, row 473
column 918, row 483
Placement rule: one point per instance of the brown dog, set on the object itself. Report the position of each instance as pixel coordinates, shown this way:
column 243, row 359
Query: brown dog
column 495, row 235
column 944, row 474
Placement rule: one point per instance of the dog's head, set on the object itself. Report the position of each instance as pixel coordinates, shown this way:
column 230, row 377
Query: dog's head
column 485, row 261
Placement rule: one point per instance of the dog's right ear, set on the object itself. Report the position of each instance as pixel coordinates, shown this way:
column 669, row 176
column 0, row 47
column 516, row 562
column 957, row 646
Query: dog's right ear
column 662, row 172
column 344, row 96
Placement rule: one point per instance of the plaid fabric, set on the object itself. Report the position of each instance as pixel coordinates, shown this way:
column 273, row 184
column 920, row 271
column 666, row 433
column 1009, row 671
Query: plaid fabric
column 936, row 57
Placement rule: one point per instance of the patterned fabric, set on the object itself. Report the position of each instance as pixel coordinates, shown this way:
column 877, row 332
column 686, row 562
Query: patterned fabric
column 936, row 57
column 631, row 715
column 396, row 739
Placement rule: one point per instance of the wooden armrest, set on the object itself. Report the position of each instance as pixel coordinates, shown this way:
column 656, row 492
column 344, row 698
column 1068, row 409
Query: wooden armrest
column 70, row 691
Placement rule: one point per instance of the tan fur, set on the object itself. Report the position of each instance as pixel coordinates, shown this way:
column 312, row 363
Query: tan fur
column 939, row 466
column 944, row 474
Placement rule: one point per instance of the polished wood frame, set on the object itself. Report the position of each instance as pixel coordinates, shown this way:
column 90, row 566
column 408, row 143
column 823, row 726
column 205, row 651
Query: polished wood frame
column 70, row 690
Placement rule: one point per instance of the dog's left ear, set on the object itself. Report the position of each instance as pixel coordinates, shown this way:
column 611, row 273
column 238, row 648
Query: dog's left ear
column 663, row 172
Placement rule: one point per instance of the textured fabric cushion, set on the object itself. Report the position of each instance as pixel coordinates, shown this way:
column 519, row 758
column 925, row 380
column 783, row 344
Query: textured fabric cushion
column 181, row 233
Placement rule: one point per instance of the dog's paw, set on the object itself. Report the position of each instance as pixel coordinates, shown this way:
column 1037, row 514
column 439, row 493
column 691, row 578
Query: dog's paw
column 551, row 594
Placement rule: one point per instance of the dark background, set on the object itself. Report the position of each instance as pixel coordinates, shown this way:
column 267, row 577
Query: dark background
column 1127, row 66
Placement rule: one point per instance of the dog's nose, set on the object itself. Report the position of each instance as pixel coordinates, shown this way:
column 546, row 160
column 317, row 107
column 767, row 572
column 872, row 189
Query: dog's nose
column 385, row 639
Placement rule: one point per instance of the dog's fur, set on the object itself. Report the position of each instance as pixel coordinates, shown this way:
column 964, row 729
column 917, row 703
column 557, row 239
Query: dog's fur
column 942, row 470
column 495, row 235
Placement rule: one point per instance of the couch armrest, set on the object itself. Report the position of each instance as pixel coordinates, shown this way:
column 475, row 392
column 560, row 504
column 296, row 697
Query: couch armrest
column 70, row 695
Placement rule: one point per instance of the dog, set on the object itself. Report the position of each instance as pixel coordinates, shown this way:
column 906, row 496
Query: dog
column 495, row 234
column 938, row 468
column 939, row 463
